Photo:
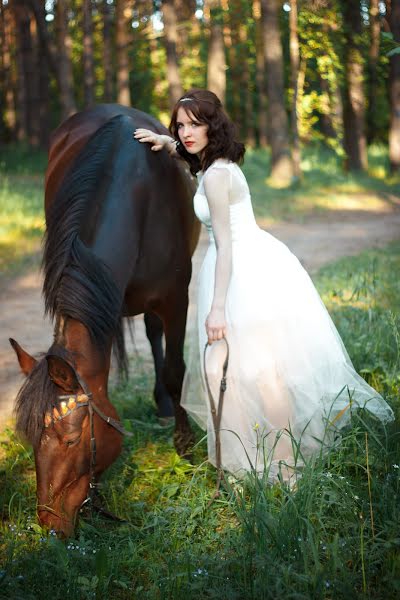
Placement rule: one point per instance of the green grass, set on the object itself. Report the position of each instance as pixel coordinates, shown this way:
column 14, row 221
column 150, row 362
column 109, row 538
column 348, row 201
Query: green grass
column 21, row 208
column 324, row 186
column 335, row 537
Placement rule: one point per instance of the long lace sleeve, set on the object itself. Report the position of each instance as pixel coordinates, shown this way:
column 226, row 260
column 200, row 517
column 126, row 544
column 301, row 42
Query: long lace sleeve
column 217, row 183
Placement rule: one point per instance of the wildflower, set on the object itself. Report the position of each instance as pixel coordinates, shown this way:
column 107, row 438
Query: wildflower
column 256, row 426
column 329, row 475
column 356, row 497
column 396, row 467
column 327, row 584
column 200, row 572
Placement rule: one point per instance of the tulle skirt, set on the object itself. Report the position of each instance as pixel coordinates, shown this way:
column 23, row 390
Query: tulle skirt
column 291, row 385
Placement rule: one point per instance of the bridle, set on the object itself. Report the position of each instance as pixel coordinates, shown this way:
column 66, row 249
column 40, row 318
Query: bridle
column 68, row 404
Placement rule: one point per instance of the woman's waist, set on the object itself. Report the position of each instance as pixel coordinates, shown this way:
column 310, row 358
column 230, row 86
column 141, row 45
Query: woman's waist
column 239, row 231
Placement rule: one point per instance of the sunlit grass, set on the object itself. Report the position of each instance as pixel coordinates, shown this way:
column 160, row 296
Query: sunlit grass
column 335, row 537
column 324, row 187
column 21, row 220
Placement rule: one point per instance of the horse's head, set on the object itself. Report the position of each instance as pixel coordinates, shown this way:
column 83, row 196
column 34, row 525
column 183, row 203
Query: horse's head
column 54, row 412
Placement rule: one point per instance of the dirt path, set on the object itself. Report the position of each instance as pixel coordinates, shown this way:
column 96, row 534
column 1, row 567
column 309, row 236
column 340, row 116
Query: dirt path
column 316, row 242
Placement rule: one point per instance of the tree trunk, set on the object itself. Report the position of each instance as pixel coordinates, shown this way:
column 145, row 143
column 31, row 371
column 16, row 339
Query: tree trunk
column 375, row 30
column 107, row 52
column 232, row 99
column 247, row 88
column 175, row 90
column 88, row 60
column 64, row 49
column 355, row 143
column 216, row 64
column 8, row 128
column 123, row 11
column 294, row 68
column 394, row 91
column 42, row 110
column 260, row 77
column 22, row 28
column 281, row 162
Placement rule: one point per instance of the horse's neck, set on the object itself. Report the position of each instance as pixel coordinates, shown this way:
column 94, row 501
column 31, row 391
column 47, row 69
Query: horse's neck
column 92, row 365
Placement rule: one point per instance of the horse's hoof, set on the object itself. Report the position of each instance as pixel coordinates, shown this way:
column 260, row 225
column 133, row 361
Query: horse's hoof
column 165, row 406
column 184, row 442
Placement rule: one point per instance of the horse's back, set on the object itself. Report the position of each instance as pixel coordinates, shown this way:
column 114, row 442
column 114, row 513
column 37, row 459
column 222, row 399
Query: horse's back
column 71, row 136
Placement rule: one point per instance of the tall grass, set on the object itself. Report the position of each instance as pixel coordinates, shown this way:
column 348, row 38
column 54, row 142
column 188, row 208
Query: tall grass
column 335, row 536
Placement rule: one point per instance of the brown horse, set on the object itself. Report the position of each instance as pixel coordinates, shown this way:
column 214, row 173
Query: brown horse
column 120, row 232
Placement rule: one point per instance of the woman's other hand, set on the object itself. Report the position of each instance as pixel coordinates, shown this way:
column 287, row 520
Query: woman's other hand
column 215, row 325
column 157, row 140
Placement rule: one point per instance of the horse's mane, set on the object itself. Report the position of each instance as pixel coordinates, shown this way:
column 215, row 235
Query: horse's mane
column 36, row 397
column 77, row 283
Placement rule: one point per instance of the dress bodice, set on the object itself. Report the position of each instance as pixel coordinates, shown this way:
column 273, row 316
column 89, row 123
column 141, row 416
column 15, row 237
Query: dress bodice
column 241, row 211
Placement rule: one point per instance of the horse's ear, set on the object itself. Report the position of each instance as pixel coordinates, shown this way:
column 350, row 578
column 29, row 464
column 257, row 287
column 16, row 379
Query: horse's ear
column 62, row 374
column 26, row 361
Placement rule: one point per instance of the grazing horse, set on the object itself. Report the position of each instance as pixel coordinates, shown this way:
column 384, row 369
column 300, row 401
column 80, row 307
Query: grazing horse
column 120, row 232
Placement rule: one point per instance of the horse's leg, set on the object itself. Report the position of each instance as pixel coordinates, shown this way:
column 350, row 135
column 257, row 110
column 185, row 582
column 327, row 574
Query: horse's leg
column 174, row 319
column 154, row 332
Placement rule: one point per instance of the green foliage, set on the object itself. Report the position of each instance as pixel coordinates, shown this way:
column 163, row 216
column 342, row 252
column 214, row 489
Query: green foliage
column 389, row 44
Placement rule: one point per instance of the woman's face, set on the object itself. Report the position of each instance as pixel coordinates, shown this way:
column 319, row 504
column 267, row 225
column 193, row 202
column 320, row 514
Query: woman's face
column 192, row 134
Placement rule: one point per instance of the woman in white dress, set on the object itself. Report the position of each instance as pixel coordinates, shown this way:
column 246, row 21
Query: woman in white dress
column 290, row 382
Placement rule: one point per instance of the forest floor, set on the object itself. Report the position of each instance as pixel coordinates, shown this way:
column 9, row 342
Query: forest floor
column 316, row 241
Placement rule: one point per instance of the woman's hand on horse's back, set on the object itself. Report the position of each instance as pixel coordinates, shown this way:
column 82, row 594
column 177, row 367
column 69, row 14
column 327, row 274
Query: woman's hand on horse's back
column 146, row 136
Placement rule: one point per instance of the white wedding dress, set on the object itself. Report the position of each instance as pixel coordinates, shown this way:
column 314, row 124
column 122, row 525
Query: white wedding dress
column 288, row 368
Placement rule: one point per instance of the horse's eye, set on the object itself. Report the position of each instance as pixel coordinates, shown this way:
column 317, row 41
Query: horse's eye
column 72, row 442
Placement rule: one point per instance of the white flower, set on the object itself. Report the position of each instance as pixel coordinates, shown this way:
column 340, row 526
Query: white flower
column 200, row 572
column 396, row 467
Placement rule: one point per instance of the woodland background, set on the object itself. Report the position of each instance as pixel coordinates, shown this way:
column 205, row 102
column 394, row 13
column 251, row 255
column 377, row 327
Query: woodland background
column 290, row 73
column 314, row 87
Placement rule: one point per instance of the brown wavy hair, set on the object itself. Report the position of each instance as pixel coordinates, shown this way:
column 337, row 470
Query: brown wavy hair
column 206, row 108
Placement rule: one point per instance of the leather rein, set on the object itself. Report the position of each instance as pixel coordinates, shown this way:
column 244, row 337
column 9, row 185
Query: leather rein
column 216, row 414
column 77, row 401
